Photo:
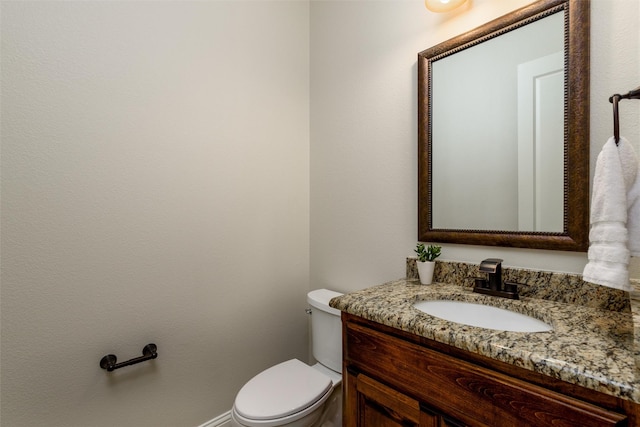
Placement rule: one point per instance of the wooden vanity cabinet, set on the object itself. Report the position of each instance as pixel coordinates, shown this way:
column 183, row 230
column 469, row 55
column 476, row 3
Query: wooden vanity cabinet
column 392, row 378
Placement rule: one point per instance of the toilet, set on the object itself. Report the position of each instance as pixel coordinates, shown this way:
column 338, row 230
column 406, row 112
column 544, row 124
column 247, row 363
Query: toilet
column 292, row 393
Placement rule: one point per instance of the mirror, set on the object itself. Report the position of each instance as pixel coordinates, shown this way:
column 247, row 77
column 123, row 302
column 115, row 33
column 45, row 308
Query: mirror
column 503, row 132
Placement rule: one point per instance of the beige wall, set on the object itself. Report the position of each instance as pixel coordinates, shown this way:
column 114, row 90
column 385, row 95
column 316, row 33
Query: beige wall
column 364, row 129
column 155, row 186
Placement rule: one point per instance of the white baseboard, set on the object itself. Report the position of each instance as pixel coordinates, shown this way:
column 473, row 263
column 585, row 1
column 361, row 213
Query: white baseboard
column 219, row 421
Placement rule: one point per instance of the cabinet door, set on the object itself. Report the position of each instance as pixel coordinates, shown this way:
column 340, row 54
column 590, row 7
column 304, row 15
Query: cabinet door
column 372, row 404
column 431, row 417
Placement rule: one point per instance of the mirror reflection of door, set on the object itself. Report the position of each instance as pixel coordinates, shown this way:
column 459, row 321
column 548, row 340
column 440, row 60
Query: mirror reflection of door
column 479, row 181
column 540, row 144
column 476, row 157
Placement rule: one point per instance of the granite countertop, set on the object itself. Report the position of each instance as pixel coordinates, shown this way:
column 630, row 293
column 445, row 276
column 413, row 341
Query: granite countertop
column 588, row 346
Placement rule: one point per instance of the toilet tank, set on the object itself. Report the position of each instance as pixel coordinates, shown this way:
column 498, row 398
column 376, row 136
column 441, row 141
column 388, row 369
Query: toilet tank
column 326, row 329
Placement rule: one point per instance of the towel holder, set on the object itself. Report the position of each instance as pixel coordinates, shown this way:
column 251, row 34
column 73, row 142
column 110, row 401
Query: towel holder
column 109, row 362
column 632, row 94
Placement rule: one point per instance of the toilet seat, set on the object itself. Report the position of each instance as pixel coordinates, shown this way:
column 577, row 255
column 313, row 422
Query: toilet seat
column 289, row 390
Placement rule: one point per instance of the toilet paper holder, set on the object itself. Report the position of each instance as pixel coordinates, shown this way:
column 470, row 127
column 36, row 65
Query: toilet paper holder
column 109, row 362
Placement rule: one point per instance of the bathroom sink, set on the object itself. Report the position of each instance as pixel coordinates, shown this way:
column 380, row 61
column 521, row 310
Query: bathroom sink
column 483, row 316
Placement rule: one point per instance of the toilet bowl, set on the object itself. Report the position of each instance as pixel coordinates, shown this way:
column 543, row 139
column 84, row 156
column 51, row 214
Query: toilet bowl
column 292, row 393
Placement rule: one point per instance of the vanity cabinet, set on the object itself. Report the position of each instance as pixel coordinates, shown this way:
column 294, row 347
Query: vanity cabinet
column 392, row 378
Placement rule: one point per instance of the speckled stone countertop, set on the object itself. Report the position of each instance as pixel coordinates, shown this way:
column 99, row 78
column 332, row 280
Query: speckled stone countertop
column 589, row 346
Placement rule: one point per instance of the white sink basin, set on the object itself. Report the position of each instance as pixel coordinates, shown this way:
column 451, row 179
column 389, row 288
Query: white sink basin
column 483, row 316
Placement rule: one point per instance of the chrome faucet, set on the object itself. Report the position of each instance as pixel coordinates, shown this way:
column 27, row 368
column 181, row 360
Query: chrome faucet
column 494, row 285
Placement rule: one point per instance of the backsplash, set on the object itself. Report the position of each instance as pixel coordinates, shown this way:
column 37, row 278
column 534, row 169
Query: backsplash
column 561, row 287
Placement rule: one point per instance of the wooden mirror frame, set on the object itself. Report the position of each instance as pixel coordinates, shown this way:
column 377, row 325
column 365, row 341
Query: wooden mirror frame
column 575, row 235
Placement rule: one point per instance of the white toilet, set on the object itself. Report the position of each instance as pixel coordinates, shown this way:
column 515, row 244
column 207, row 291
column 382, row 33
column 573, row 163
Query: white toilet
column 292, row 393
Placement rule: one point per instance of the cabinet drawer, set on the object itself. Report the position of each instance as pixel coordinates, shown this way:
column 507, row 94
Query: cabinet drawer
column 466, row 391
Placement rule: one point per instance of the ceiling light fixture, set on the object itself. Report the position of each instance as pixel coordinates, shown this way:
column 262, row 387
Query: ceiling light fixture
column 442, row 5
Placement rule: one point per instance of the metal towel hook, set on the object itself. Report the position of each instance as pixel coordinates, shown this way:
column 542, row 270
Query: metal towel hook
column 614, row 99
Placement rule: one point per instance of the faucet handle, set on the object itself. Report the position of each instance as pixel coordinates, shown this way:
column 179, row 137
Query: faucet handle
column 480, row 282
column 513, row 286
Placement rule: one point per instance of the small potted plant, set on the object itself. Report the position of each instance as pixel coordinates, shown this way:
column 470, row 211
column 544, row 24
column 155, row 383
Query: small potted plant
column 426, row 261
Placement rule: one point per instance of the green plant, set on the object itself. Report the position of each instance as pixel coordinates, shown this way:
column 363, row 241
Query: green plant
column 427, row 253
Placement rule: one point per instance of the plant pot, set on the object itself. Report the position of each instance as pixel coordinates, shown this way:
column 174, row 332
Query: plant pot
column 425, row 271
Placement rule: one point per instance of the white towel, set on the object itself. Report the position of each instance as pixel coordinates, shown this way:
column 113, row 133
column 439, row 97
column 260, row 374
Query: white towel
column 615, row 216
column 633, row 214
column 631, row 175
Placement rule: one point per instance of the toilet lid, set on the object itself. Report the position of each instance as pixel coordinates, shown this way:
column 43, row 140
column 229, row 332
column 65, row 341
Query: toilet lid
column 281, row 390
